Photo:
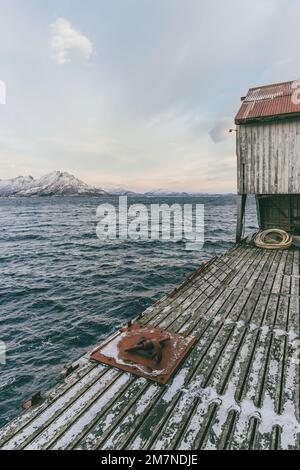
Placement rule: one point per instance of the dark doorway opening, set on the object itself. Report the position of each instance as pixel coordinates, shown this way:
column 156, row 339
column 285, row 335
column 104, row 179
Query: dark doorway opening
column 280, row 211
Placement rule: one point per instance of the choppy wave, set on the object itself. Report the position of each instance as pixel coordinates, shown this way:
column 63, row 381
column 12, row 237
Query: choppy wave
column 62, row 289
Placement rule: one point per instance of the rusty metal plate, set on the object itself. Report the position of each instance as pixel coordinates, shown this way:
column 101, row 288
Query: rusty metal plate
column 151, row 353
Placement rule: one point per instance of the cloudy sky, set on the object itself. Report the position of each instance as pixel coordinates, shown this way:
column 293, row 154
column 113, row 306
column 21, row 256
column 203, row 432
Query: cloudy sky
column 137, row 93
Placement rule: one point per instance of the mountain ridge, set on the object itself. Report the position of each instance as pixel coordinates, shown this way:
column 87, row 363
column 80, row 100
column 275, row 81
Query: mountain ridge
column 56, row 183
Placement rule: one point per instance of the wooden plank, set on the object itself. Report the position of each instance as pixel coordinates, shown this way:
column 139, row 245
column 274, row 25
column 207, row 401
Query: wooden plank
column 171, row 426
column 270, row 154
column 244, row 308
column 241, row 204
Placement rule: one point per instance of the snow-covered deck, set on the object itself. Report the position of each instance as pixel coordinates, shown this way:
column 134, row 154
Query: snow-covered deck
column 237, row 389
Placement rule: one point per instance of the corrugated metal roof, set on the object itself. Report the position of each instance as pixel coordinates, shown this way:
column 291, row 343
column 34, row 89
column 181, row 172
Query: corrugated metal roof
column 279, row 99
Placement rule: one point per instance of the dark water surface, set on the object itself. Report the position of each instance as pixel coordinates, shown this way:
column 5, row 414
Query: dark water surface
column 62, row 290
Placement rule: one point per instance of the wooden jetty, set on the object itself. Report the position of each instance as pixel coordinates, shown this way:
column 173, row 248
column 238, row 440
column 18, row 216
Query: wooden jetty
column 237, row 389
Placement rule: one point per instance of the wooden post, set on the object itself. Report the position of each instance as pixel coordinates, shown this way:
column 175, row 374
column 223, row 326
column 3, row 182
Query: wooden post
column 258, row 212
column 241, row 204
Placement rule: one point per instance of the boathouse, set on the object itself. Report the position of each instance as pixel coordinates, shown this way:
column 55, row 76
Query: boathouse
column 268, row 155
column 236, row 383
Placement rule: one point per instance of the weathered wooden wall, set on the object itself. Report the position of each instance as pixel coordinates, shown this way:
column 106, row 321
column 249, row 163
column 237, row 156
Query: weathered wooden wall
column 269, row 157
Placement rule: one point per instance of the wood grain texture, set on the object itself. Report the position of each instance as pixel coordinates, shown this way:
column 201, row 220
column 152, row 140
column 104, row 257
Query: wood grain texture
column 268, row 156
column 237, row 389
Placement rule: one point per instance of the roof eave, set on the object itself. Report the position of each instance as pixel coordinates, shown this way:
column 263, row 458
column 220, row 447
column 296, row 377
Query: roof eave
column 271, row 118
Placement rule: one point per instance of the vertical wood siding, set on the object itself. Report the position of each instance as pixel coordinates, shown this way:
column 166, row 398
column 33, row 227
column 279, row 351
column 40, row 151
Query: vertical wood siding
column 269, row 157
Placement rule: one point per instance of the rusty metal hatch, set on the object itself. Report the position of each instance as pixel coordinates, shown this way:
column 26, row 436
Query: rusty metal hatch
column 144, row 351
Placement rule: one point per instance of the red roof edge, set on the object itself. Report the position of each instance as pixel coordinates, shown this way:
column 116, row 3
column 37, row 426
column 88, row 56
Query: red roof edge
column 270, row 101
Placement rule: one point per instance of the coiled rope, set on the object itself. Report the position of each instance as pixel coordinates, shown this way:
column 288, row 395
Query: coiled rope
column 273, row 239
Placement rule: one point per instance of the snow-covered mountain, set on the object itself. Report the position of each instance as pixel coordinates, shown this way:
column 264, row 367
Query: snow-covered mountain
column 168, row 193
column 60, row 183
column 121, row 191
column 165, row 193
column 15, row 185
column 56, row 183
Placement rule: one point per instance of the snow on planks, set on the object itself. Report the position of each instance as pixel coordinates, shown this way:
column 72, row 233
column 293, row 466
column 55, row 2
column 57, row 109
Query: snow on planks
column 237, row 389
